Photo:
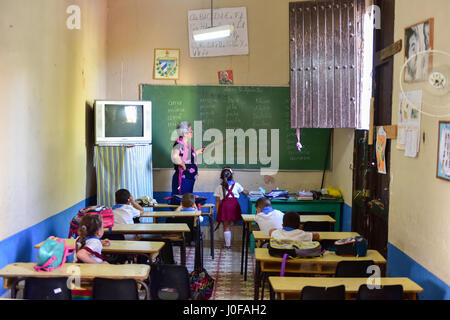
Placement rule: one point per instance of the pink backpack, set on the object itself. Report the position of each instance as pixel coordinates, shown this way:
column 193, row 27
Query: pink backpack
column 106, row 213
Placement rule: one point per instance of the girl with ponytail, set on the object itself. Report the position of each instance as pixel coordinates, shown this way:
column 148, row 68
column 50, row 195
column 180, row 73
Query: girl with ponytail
column 89, row 246
column 227, row 204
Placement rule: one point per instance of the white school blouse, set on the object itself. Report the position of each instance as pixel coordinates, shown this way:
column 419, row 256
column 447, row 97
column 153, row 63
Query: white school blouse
column 236, row 190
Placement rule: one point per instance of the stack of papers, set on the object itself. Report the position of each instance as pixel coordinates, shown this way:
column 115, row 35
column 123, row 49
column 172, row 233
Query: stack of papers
column 278, row 194
column 304, row 195
column 255, row 194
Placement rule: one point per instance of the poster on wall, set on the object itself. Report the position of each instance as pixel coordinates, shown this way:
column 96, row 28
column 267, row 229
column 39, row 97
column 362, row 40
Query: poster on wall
column 443, row 158
column 418, row 39
column 409, row 118
column 166, row 64
column 225, row 77
column 381, row 150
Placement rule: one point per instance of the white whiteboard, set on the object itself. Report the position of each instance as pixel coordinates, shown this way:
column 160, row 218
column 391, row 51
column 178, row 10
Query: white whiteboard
column 237, row 44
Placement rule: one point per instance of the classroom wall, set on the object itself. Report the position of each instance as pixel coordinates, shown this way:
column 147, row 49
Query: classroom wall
column 137, row 27
column 48, row 76
column 419, row 214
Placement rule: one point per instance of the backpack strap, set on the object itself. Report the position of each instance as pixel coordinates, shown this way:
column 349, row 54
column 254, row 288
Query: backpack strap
column 98, row 255
column 283, row 264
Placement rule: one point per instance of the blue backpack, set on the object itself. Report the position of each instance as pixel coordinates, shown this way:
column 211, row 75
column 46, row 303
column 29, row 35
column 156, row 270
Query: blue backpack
column 354, row 246
column 52, row 254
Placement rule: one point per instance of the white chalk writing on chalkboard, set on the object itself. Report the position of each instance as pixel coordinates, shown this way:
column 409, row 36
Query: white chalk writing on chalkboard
column 237, row 44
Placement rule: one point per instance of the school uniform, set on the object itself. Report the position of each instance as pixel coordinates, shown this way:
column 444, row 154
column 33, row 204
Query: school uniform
column 292, row 234
column 269, row 218
column 94, row 247
column 229, row 208
column 124, row 214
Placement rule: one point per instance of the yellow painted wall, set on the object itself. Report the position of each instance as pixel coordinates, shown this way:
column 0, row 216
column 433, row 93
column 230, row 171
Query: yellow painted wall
column 47, row 75
column 341, row 176
column 419, row 213
column 137, row 27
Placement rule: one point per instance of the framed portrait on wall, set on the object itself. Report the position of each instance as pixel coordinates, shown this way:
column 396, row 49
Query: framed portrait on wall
column 166, row 64
column 443, row 156
column 418, row 39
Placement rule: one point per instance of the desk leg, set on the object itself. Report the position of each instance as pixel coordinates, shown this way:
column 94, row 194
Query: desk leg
column 337, row 217
column 257, row 280
column 211, row 231
column 183, row 251
column 14, row 287
column 271, row 292
column 244, row 225
column 246, row 250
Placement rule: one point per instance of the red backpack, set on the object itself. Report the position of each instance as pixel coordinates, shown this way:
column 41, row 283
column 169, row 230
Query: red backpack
column 106, row 213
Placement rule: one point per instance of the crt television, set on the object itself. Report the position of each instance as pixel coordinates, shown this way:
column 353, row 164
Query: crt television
column 123, row 122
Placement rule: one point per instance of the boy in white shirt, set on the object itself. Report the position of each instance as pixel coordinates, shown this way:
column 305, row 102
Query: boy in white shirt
column 291, row 229
column 266, row 217
column 126, row 209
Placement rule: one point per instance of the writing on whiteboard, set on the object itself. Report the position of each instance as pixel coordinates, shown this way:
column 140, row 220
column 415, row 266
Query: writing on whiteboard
column 236, row 44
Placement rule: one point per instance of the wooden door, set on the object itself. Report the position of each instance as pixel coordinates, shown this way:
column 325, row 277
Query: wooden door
column 371, row 189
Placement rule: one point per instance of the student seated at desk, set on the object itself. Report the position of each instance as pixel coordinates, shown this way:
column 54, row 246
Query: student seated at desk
column 126, row 209
column 188, row 204
column 267, row 217
column 291, row 229
column 88, row 244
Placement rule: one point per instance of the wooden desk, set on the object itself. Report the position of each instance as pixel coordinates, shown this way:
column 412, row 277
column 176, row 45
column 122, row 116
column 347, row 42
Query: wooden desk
column 157, row 228
column 149, row 249
column 324, row 235
column 15, row 272
column 325, row 264
column 331, row 207
column 291, row 287
column 183, row 214
column 209, row 213
column 249, row 219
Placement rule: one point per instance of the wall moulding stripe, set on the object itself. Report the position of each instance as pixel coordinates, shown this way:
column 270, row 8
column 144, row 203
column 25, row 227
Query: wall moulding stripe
column 19, row 247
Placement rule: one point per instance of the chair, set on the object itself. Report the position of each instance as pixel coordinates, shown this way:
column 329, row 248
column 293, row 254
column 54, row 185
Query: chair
column 316, row 226
column 323, row 293
column 353, row 269
column 392, row 292
column 169, row 282
column 46, row 289
column 115, row 289
column 113, row 236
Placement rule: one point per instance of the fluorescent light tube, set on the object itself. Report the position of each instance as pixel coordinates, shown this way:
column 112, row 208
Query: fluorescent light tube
column 213, row 33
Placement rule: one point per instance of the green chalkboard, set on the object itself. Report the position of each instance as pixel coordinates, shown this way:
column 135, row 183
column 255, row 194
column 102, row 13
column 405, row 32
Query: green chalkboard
column 246, row 127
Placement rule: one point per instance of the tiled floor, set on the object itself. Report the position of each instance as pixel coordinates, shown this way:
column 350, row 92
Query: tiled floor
column 226, row 271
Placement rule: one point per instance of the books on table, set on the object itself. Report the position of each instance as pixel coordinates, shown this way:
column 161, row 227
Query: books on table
column 304, row 195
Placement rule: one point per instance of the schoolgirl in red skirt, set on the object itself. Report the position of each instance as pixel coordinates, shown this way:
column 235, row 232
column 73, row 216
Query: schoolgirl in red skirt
column 227, row 204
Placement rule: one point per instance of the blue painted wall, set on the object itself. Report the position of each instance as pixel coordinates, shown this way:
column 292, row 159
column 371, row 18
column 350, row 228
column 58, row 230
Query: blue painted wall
column 401, row 265
column 346, row 218
column 19, row 247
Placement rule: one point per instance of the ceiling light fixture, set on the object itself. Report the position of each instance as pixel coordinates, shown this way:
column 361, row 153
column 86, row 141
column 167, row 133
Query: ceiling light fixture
column 213, row 33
